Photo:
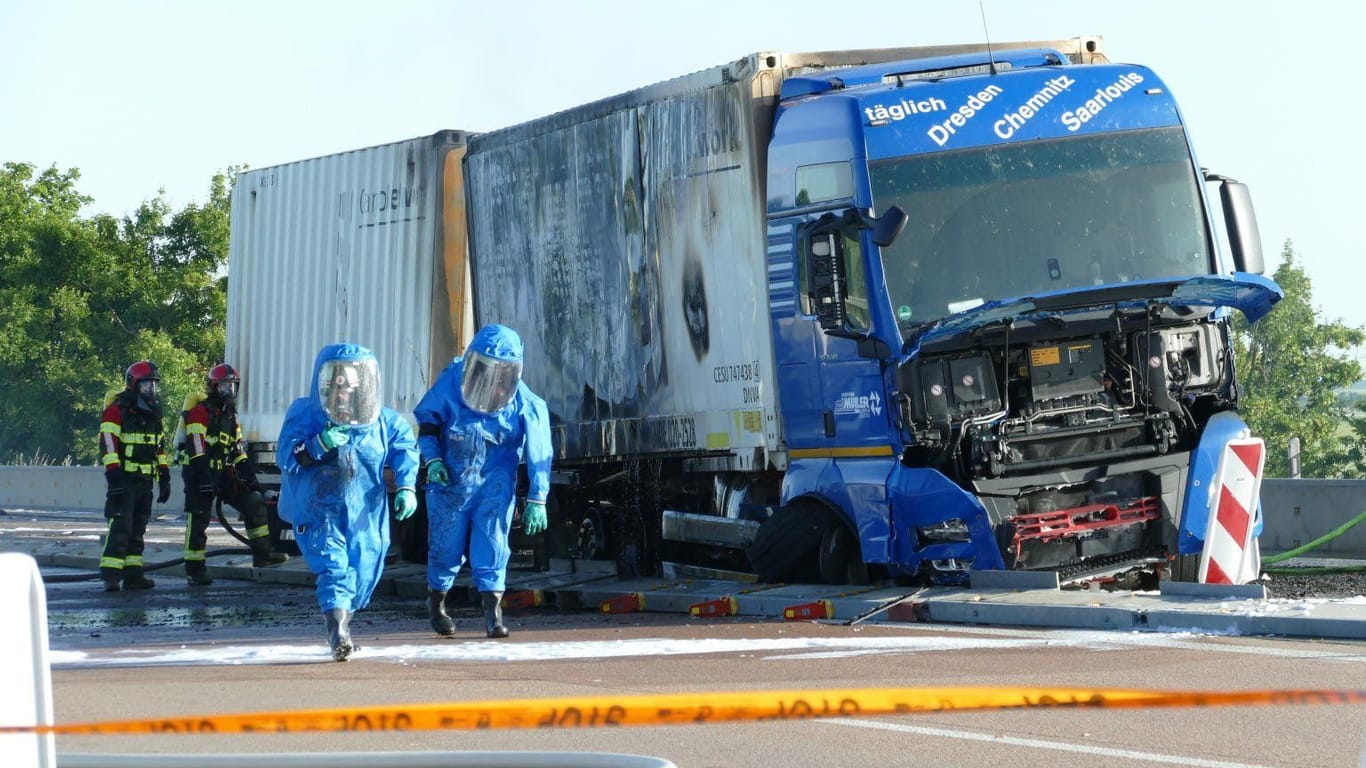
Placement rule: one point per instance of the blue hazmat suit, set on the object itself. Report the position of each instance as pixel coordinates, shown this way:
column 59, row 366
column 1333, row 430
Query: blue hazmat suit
column 482, row 453
column 336, row 498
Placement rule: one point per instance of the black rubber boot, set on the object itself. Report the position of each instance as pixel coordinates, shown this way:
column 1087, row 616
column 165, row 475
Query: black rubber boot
column 197, row 573
column 493, row 614
column 436, row 611
column 133, row 578
column 339, row 633
column 111, row 577
column 262, row 556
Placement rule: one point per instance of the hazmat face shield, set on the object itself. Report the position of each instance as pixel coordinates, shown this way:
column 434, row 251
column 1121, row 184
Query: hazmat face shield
column 488, row 384
column 348, row 391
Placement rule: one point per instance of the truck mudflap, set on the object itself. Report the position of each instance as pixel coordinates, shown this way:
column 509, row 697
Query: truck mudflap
column 1202, row 485
column 924, row 499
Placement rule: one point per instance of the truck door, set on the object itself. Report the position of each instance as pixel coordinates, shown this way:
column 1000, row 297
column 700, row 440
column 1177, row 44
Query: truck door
column 848, row 360
column 829, row 379
column 795, row 337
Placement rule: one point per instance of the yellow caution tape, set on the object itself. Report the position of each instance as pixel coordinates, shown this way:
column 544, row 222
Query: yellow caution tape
column 696, row 708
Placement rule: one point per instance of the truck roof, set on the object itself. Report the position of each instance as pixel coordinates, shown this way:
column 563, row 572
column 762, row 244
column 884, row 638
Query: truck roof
column 768, row 70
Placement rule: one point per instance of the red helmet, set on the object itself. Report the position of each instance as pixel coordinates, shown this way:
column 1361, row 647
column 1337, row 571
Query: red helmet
column 142, row 370
column 223, row 382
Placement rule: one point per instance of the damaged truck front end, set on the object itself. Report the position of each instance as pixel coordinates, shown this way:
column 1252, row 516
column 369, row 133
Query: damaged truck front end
column 1059, row 433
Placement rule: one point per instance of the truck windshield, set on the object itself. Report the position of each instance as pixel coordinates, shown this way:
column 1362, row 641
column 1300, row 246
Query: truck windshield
column 1020, row 219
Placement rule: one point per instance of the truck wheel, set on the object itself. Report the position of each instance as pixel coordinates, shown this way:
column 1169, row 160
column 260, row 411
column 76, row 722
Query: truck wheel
column 840, row 558
column 592, row 538
column 784, row 548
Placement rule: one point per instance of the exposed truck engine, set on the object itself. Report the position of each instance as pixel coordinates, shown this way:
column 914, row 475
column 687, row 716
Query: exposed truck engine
column 1129, row 388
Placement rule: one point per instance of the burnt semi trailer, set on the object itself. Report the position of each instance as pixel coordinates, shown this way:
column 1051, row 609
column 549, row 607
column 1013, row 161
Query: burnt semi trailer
column 866, row 314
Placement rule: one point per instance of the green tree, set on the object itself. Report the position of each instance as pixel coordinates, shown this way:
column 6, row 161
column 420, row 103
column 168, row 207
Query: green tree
column 1291, row 364
column 80, row 299
column 46, row 253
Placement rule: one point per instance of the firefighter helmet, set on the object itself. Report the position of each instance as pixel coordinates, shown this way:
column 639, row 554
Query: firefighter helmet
column 143, row 379
column 142, row 370
column 222, row 382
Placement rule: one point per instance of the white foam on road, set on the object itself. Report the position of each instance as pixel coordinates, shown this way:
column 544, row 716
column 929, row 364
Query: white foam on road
column 764, row 649
column 486, row 651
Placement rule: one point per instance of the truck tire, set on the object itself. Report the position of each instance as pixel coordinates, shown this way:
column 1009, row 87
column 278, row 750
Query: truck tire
column 590, row 541
column 840, row 559
column 784, row 548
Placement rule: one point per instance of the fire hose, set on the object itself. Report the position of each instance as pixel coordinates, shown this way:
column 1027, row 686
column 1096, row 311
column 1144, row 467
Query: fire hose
column 218, row 515
column 1316, row 571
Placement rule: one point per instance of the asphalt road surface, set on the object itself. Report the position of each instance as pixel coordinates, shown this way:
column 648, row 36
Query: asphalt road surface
column 241, row 646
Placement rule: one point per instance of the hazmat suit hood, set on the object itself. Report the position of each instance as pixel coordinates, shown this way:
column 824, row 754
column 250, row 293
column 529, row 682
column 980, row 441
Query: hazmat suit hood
column 492, row 369
column 346, row 384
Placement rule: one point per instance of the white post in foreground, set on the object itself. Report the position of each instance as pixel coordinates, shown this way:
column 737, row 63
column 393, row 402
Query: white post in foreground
column 25, row 674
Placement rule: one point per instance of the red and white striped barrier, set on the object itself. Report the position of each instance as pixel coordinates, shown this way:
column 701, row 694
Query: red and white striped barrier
column 1231, row 554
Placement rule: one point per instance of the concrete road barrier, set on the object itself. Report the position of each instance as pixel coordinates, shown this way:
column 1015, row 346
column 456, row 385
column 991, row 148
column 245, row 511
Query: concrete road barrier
column 1296, row 511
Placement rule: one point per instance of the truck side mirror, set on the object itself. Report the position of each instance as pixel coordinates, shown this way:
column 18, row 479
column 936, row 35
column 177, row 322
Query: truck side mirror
column 827, row 279
column 1240, row 222
column 889, row 226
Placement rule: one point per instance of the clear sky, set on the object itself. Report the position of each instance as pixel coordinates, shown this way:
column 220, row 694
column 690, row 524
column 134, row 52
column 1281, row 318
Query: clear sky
column 142, row 96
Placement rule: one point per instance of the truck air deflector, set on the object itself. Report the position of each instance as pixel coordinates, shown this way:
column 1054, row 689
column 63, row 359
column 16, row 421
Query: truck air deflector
column 1253, row 295
column 900, row 72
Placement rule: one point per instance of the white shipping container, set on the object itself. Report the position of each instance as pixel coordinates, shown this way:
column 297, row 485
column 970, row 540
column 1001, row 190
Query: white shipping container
column 366, row 247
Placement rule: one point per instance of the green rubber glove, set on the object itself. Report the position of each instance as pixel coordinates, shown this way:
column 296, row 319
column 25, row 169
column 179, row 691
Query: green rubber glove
column 334, row 436
column 533, row 519
column 405, row 504
column 437, row 472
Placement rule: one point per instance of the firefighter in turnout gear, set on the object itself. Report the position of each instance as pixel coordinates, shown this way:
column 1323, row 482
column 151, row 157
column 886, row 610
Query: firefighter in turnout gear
column 134, row 455
column 217, row 465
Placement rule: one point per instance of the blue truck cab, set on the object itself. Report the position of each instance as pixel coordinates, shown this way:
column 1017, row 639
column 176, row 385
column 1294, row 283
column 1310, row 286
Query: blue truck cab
column 1023, row 377
column 866, row 315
